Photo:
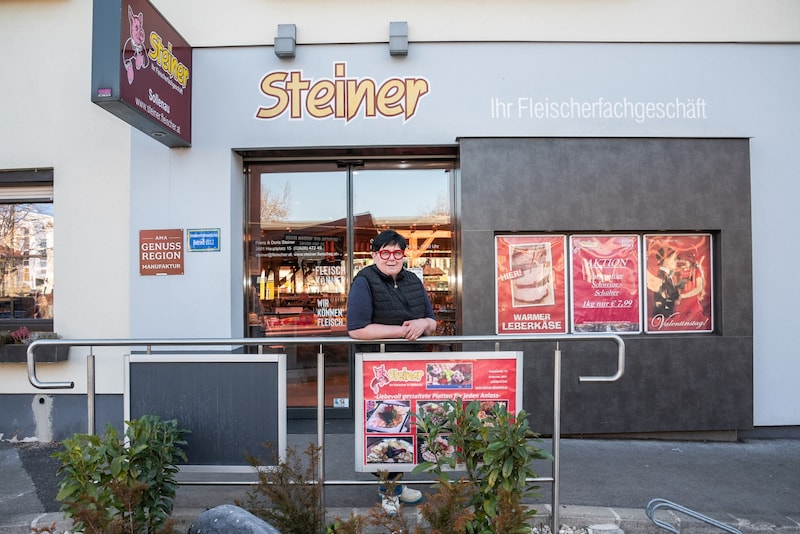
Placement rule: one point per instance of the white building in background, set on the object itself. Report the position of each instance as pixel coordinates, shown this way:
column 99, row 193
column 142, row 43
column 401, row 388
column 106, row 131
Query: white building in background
column 495, row 71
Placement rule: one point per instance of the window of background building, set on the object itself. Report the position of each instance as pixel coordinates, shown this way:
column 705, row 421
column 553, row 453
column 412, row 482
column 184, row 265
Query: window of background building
column 26, row 249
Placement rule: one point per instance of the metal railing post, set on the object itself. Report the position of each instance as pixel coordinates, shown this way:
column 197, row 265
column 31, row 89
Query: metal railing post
column 556, row 438
column 321, row 428
column 90, row 393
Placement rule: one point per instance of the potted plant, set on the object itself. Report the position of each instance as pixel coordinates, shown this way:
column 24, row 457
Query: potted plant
column 14, row 346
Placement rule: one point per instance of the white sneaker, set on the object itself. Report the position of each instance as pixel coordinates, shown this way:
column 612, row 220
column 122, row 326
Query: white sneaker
column 409, row 495
column 390, row 504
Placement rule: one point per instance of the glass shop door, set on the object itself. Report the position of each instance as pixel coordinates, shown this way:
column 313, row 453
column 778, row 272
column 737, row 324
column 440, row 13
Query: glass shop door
column 309, row 230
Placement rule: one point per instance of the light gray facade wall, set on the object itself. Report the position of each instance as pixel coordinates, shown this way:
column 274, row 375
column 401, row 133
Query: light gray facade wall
column 111, row 182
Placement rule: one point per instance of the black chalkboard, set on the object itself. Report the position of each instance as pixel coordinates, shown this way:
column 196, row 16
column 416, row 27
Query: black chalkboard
column 231, row 406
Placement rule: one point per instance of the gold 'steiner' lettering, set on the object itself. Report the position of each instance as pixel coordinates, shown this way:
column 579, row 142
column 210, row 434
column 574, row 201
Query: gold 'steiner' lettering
column 167, row 60
column 341, row 97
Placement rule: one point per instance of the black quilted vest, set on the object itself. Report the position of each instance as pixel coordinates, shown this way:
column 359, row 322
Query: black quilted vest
column 392, row 305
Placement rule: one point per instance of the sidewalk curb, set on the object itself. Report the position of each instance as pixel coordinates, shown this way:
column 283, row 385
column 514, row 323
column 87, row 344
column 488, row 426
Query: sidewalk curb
column 596, row 519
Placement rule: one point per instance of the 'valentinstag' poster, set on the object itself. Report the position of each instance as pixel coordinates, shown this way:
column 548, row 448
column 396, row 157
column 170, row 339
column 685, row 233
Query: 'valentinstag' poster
column 679, row 284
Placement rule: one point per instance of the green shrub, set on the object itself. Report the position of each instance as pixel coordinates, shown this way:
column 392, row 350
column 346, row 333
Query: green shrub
column 292, row 497
column 109, row 487
column 495, row 449
column 289, row 498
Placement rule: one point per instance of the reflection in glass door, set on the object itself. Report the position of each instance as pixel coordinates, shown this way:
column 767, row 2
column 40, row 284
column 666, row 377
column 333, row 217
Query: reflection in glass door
column 417, row 204
column 309, row 229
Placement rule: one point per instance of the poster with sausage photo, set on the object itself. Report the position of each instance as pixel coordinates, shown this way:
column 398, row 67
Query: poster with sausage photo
column 606, row 278
column 530, row 284
column 678, row 278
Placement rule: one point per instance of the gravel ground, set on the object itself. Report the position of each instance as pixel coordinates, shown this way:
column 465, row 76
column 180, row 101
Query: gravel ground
column 563, row 530
column 43, row 468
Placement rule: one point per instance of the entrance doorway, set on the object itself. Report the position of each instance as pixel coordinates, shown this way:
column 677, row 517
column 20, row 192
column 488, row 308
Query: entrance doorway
column 309, row 231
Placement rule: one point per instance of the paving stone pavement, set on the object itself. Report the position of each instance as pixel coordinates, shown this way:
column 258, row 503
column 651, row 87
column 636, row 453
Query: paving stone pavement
column 604, row 486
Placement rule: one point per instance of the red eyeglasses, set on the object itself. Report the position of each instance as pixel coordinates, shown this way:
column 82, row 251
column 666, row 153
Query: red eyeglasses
column 386, row 254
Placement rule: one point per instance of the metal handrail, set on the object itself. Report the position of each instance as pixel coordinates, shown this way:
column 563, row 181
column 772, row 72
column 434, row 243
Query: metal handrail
column 655, row 504
column 148, row 344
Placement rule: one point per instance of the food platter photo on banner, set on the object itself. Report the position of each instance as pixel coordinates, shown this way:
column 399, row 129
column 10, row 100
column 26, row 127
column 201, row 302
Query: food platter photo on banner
column 530, row 284
column 606, row 278
column 679, row 285
column 393, row 387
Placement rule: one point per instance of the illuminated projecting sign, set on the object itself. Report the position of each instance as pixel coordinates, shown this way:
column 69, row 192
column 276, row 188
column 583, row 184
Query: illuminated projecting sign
column 142, row 70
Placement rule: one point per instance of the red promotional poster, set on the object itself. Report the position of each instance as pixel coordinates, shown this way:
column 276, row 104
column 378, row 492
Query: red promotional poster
column 530, row 284
column 392, row 388
column 678, row 275
column 605, row 283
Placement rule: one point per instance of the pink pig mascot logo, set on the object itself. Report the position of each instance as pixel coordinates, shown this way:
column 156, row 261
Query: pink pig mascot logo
column 134, row 52
column 380, row 379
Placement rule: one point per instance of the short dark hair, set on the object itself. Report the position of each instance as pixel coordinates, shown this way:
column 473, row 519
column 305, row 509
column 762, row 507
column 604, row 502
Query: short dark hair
column 388, row 237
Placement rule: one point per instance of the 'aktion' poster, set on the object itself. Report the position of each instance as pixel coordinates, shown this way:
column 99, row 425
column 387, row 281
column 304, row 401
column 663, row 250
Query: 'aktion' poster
column 605, row 283
column 530, row 284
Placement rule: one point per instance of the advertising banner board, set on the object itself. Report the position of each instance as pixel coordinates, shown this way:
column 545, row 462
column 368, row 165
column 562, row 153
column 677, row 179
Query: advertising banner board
column 391, row 387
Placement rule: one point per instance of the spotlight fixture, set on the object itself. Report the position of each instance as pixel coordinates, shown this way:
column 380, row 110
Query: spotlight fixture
column 286, row 40
column 398, row 38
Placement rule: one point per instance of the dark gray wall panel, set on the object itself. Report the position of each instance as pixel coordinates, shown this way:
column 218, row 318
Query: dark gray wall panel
column 678, row 382
column 229, row 408
column 68, row 415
